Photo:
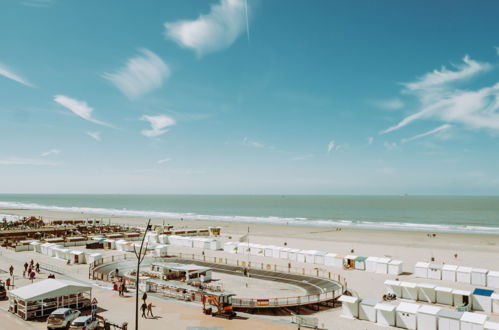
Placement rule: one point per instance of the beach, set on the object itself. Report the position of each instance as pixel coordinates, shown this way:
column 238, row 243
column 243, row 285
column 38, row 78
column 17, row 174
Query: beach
column 473, row 250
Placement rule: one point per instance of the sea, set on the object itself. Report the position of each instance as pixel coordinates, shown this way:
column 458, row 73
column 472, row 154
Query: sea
column 453, row 214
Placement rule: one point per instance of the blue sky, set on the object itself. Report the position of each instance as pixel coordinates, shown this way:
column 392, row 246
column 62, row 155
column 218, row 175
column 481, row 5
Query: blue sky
column 224, row 96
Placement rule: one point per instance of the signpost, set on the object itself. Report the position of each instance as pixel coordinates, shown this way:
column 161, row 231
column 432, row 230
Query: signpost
column 94, row 309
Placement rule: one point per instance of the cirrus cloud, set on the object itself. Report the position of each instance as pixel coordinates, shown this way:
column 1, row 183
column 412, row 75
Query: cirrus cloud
column 158, row 124
column 79, row 108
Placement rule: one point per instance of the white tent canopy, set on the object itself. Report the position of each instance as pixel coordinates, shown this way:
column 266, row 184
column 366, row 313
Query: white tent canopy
column 49, row 288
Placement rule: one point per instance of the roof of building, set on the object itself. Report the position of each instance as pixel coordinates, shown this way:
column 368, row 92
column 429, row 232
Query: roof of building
column 443, row 289
column 428, row 309
column 483, row 292
column 492, row 325
column 426, row 285
column 384, row 260
column 474, row 318
column 348, row 299
column 49, row 288
column 422, row 264
column 449, row 267
column 396, row 262
column 479, row 270
column 392, row 282
column 181, row 267
column 408, row 284
column 435, row 266
column 461, row 292
column 360, row 259
column 369, row 302
column 463, row 269
column 406, row 307
column 385, row 307
column 450, row 314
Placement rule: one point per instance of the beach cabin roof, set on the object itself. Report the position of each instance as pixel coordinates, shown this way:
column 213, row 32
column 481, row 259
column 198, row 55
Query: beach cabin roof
column 491, row 273
column 372, row 259
column 495, row 296
column 350, row 256
column 392, row 282
column 450, row 314
column 435, row 266
column 348, row 299
column 408, row 285
column 77, row 252
column 426, row 285
column 480, row 270
column 385, row 307
column 369, row 302
column 395, row 262
column 429, row 309
column 483, row 292
column 316, row 253
column 461, row 292
column 449, row 267
column 463, row 269
column 406, row 307
column 444, row 289
column 383, row 260
column 491, row 325
column 329, row 254
column 422, row 264
column 49, row 288
column 474, row 318
column 360, row 259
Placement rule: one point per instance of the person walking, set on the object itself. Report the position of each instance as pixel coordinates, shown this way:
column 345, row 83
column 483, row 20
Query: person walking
column 144, row 297
column 144, row 308
column 37, row 267
column 11, row 270
column 26, row 266
column 149, row 309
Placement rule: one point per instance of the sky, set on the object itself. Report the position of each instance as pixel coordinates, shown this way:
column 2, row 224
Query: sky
column 249, row 97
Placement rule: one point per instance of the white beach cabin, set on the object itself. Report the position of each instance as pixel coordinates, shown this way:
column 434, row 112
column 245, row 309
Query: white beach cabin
column 393, row 287
column 366, row 309
column 493, row 279
column 463, row 274
column 473, row 321
column 409, row 290
column 371, row 264
column 349, row 261
column 426, row 292
column 350, row 306
column 94, row 258
column 444, row 295
column 385, row 314
column 406, row 315
column 77, row 257
column 395, row 267
column 300, row 255
column 292, row 253
column 37, row 246
column 320, row 257
column 435, row 271
column 421, row 269
column 230, row 247
column 333, row 260
column 427, row 318
column 489, row 325
column 495, row 303
column 276, row 252
column 268, row 251
column 481, row 300
column 449, row 273
column 461, row 298
column 360, row 263
column 479, row 276
column 449, row 319
column 161, row 250
column 382, row 265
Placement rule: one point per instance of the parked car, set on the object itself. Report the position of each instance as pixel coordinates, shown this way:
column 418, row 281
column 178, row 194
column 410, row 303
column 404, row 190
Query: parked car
column 84, row 323
column 61, row 318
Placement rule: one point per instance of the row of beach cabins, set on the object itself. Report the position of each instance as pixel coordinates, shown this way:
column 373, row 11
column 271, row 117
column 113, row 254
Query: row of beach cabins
column 408, row 315
column 460, row 274
column 370, row 264
column 60, row 252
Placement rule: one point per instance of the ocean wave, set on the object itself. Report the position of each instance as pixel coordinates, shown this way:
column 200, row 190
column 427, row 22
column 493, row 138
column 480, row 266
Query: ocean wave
column 299, row 221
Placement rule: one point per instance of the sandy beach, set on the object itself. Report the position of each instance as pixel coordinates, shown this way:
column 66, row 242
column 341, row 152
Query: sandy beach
column 474, row 250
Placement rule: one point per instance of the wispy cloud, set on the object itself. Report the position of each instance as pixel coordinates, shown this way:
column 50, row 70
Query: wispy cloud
column 163, row 161
column 37, row 3
column 8, row 73
column 94, row 135
column 211, row 32
column 26, row 161
column 497, row 50
column 251, row 143
column 391, row 146
column 79, row 108
column 431, row 132
column 370, row 140
column 475, row 109
column 51, row 152
column 390, row 104
column 158, row 124
column 141, row 75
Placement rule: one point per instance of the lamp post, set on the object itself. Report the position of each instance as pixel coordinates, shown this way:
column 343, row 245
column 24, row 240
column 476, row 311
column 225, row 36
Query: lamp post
column 140, row 257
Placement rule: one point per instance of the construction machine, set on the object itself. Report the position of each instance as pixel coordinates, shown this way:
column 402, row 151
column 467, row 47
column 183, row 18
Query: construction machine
column 218, row 305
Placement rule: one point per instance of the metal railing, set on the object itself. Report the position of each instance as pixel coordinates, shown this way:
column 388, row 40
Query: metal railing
column 327, row 295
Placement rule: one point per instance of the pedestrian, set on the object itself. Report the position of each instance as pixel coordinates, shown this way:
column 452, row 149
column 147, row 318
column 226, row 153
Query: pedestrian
column 37, row 267
column 26, row 266
column 7, row 283
column 149, row 309
column 31, row 262
column 144, row 308
column 144, row 297
column 11, row 270
column 32, row 276
column 116, row 272
column 24, row 274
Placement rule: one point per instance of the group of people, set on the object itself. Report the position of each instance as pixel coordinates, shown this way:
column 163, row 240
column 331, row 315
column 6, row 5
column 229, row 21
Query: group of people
column 30, row 269
column 146, row 307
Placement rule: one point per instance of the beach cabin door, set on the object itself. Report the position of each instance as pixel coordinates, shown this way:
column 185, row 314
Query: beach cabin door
column 76, row 259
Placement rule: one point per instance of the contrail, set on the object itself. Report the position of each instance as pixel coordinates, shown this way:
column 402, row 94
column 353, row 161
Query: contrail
column 247, row 22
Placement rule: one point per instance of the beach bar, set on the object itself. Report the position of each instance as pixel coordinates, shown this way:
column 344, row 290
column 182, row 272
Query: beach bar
column 426, row 292
column 385, row 314
column 427, row 317
column 406, row 315
column 350, row 306
column 42, row 298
